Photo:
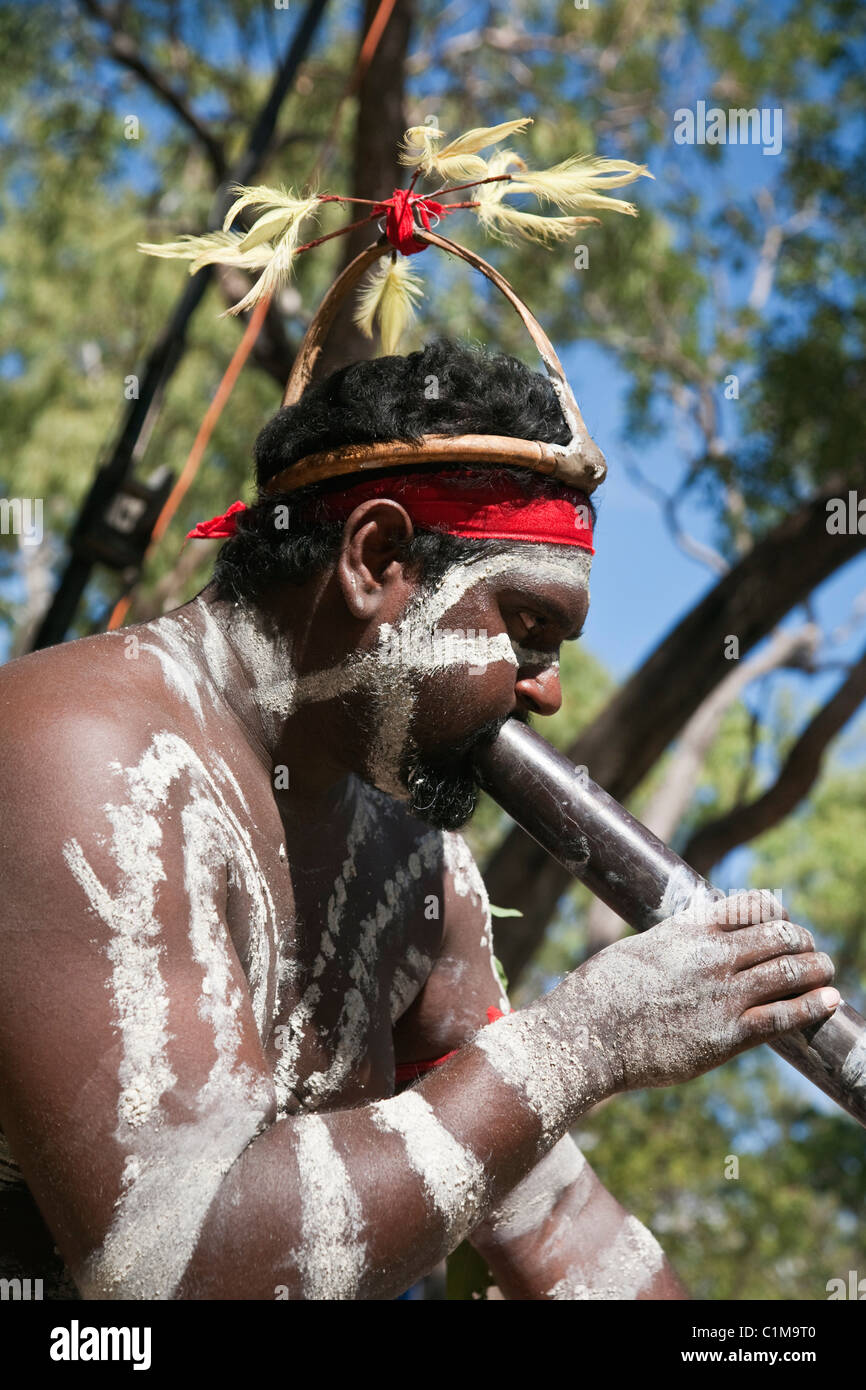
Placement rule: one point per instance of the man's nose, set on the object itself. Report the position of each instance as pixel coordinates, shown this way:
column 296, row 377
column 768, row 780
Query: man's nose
column 538, row 688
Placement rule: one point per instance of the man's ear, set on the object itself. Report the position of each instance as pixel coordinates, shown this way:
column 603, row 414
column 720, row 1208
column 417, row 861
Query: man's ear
column 368, row 567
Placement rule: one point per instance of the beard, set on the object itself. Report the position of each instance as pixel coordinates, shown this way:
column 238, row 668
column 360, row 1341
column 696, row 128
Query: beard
column 444, row 788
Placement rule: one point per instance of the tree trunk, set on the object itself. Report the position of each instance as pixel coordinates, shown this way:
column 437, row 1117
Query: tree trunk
column 379, row 128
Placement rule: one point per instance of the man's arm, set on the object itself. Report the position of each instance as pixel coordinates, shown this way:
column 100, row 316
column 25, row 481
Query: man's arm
column 559, row 1233
column 134, row 1090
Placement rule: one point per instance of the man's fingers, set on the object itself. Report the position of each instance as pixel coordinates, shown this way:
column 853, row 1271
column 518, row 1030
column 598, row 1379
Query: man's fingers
column 768, row 1020
column 744, row 910
column 784, row 975
column 753, row 945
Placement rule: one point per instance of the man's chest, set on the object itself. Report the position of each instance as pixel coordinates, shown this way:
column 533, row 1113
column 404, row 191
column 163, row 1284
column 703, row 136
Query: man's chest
column 353, row 926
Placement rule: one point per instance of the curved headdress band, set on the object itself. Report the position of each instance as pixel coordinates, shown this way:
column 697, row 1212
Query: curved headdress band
column 579, row 464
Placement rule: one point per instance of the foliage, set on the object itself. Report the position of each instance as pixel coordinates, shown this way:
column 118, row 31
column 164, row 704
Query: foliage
column 759, row 275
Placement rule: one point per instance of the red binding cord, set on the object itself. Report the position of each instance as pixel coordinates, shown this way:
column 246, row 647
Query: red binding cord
column 400, row 221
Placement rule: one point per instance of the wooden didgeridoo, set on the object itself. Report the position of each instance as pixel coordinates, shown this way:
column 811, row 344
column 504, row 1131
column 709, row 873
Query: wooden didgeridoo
column 643, row 881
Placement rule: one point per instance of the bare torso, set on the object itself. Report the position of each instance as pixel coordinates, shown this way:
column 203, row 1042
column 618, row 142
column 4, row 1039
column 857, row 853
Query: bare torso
column 336, row 924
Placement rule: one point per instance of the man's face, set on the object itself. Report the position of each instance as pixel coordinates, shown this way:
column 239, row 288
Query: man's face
column 475, row 649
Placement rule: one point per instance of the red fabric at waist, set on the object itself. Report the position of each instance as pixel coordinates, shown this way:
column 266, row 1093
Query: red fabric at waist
column 410, row 1071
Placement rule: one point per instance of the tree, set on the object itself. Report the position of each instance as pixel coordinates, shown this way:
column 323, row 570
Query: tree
column 733, row 305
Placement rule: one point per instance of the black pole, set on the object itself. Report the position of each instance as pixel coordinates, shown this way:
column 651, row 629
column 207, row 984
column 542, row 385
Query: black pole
column 644, row 882
column 165, row 355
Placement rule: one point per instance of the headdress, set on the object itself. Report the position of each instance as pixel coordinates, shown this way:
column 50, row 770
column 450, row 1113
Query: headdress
column 389, row 297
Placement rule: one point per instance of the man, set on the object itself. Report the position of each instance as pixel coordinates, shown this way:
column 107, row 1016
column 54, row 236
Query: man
column 236, row 904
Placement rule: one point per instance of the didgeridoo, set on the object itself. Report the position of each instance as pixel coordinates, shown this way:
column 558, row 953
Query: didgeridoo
column 644, row 882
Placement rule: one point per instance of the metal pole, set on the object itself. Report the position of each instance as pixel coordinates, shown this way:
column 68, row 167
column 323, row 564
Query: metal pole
column 644, row 882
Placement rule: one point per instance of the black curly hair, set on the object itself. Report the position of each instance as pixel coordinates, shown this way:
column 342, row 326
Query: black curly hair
column 446, row 388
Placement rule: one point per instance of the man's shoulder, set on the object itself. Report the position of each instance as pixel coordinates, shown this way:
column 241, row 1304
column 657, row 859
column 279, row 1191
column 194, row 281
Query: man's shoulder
column 66, row 687
column 70, row 712
column 111, row 679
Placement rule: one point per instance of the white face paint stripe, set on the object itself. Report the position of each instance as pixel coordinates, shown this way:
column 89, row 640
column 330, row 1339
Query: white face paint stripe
column 533, row 656
column 543, row 563
column 622, row 1270
column 332, row 1256
column 445, row 648
column 453, row 1178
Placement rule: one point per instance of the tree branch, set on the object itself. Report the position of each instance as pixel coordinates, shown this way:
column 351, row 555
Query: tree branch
column 379, row 126
column 125, row 51
column 798, row 775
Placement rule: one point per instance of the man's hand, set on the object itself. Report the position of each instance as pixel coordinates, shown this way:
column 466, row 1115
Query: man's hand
column 698, row 989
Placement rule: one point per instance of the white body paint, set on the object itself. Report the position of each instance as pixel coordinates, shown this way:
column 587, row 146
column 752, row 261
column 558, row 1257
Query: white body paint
column 360, row 1004
column 547, row 1060
column 454, row 1181
column 532, row 1202
column 468, row 882
column 172, row 1173
column 332, row 1255
column 622, row 1271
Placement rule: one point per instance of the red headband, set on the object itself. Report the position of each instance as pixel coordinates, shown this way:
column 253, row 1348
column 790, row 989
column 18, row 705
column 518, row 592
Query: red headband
column 489, row 510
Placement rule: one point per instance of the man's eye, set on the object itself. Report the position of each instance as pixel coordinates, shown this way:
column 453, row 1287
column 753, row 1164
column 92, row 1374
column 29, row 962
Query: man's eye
column 530, row 622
